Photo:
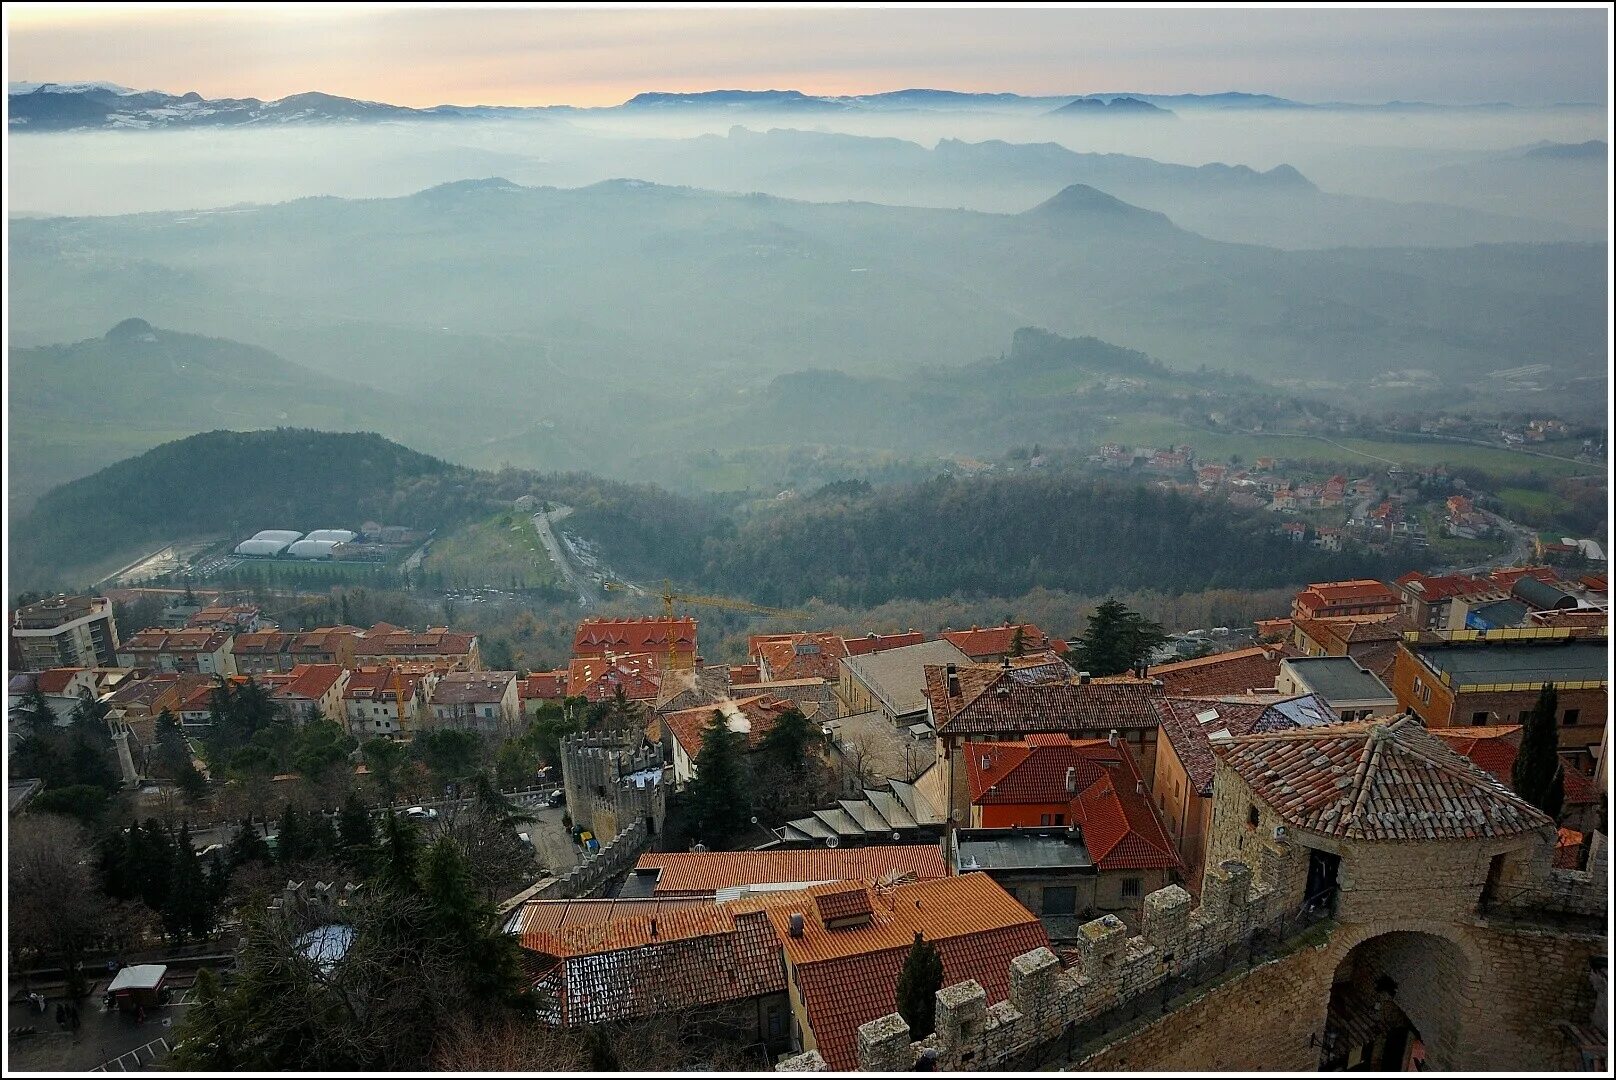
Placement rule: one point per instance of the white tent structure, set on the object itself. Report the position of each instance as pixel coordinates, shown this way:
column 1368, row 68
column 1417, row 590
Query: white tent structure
column 267, row 543
column 312, row 549
column 339, row 536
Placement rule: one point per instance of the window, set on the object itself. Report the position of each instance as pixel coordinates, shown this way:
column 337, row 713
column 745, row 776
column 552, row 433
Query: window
column 1252, row 816
column 1572, row 716
column 1060, row 819
column 1478, row 719
column 1046, row 819
column 1060, row 900
column 1131, row 888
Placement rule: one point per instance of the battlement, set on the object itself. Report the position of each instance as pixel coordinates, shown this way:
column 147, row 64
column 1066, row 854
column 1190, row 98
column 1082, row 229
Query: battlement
column 616, row 856
column 1110, row 969
column 612, row 778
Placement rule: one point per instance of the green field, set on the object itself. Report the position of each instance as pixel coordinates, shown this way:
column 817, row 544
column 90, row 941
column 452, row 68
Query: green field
column 1160, row 431
column 500, row 552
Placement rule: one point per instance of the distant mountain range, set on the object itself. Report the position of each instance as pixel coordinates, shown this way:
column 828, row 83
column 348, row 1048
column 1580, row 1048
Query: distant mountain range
column 37, row 106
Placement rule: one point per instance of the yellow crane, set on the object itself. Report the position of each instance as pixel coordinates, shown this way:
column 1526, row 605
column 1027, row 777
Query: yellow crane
column 724, row 603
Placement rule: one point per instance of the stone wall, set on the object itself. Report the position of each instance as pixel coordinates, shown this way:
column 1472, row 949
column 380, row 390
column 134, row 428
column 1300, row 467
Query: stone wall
column 590, row 876
column 606, row 776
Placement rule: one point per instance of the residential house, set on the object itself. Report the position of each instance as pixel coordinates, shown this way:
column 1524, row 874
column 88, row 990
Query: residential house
column 610, row 961
column 540, row 687
column 64, row 631
column 1371, row 640
column 599, row 678
column 1359, row 597
column 328, row 645
column 386, row 701
column 671, row 640
column 1066, row 826
column 264, row 652
column 237, row 618
column 1486, row 678
column 1494, row 748
column 310, row 689
column 971, row 706
column 844, row 945
column 783, row 657
column 1430, row 601
column 480, row 701
column 63, row 688
column 197, row 652
column 893, row 682
column 450, row 649
column 683, row 733
column 726, row 874
column 1340, row 682
column 1185, row 763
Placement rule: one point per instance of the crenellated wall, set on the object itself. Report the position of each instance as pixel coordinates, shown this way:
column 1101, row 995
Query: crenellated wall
column 612, row 779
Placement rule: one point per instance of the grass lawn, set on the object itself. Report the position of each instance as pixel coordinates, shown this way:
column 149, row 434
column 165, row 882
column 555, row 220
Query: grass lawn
column 501, row 552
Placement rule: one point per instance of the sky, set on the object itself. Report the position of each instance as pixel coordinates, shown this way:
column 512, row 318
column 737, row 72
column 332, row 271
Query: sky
column 521, row 55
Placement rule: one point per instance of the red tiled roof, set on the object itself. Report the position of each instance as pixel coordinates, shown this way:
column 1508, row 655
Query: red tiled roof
column 741, row 674
column 309, row 682
column 262, row 643
column 598, row 677
column 1377, row 781
column 1509, row 575
column 596, row 637
column 1495, row 747
column 384, row 640
column 798, row 656
column 1120, row 827
column 994, row 701
column 1445, row 586
column 380, row 684
column 56, row 680
column 700, row 873
column 543, row 685
column 849, row 976
column 157, row 639
column 997, row 640
column 689, row 726
column 1222, row 673
column 1567, row 849
column 848, row 903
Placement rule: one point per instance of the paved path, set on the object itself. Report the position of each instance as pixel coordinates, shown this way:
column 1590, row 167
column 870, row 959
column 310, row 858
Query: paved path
column 544, row 523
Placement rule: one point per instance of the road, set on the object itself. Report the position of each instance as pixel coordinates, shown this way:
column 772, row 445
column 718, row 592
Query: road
column 1520, row 547
column 544, row 523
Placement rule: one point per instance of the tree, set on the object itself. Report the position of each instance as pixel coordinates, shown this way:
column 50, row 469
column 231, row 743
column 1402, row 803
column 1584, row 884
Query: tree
column 1018, row 641
column 786, row 744
column 1117, row 640
column 1538, row 775
column 320, row 746
column 356, row 836
column 84, row 803
column 385, row 759
column 449, row 753
column 719, row 796
column 53, row 908
column 918, row 983
column 247, row 846
column 294, row 842
column 33, row 712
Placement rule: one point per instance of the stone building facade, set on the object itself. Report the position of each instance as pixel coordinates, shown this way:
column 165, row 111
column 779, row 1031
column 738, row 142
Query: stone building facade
column 612, row 779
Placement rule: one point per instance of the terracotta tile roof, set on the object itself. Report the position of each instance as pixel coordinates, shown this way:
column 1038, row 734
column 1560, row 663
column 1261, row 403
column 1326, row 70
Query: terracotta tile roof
column 543, row 685
column 1191, row 736
column 1222, row 673
column 627, row 959
column 740, row 674
column 1444, row 587
column 380, row 684
column 1567, row 849
column 1034, row 770
column 849, row 976
column 1272, row 629
column 597, row 677
column 978, row 642
column 852, row 902
column 157, row 639
column 1320, row 597
column 1509, row 575
column 702, row 873
column 56, row 680
column 596, row 637
column 1120, row 827
column 308, row 682
column 873, row 642
column 1377, row 781
column 473, row 687
column 997, row 702
column 385, row 640
column 1494, row 748
column 262, row 643
column 325, row 639
column 798, row 656
column 758, row 714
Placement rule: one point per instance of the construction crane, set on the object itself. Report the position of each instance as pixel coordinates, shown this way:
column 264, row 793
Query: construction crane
column 669, row 598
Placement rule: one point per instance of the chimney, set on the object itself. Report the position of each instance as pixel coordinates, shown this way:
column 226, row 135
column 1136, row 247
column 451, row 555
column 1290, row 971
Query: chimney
column 1139, row 787
column 1111, row 739
column 1084, row 678
column 653, row 927
column 953, row 680
column 796, row 924
column 1005, row 662
column 1071, row 779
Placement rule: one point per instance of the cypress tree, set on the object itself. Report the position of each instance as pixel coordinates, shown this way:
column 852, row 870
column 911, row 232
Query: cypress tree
column 355, row 833
column 1536, row 775
column 918, row 983
column 787, row 742
column 720, row 801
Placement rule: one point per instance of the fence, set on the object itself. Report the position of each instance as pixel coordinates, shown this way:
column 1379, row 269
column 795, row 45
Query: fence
column 1081, row 1039
column 138, row 1058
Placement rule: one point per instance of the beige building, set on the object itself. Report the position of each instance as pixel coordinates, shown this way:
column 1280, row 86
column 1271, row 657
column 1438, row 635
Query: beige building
column 193, row 652
column 64, row 631
column 482, row 701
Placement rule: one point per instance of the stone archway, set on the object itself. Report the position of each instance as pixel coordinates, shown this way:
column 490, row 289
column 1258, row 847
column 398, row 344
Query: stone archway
column 1397, row 998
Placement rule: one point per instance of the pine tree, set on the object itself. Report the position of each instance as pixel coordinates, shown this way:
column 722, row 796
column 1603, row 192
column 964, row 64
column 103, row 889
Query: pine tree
column 786, row 744
column 293, row 843
column 1537, row 773
column 918, row 983
column 34, row 712
column 1116, row 640
column 355, row 833
column 719, row 796
column 247, row 846
column 1018, row 641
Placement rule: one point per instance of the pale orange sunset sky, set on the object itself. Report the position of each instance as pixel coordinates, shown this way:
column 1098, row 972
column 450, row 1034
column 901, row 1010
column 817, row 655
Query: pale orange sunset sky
column 413, row 55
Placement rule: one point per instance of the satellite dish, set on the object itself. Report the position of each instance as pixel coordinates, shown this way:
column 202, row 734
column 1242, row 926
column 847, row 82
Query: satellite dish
column 754, row 819
column 833, row 841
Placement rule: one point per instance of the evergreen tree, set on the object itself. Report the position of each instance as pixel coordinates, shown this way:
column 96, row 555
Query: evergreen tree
column 1018, row 641
column 187, row 909
column 399, row 854
column 33, row 712
column 1537, row 773
column 247, row 846
column 918, row 983
column 718, row 797
column 1116, row 640
column 355, row 834
column 385, row 759
column 786, row 744
column 293, row 842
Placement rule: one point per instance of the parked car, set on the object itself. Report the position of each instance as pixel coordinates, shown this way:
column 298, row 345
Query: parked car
column 421, row 813
column 558, row 797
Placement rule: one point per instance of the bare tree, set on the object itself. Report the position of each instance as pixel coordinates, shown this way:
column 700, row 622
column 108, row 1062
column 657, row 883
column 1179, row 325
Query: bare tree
column 53, row 906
